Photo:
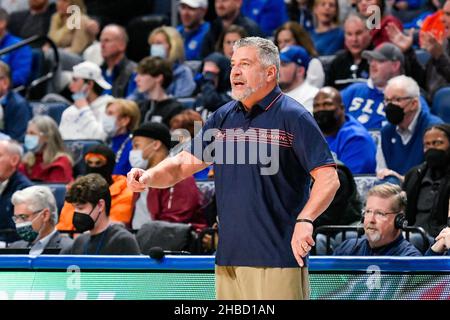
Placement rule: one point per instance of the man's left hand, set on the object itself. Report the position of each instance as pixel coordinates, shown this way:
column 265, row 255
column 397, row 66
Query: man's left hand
column 302, row 241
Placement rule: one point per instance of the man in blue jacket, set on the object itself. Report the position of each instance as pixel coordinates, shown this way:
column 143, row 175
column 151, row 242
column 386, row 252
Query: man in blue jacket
column 15, row 112
column 383, row 222
column 19, row 60
column 10, row 181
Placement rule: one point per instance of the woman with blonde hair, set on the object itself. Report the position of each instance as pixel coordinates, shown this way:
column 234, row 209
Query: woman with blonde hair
column 121, row 118
column 46, row 159
column 167, row 43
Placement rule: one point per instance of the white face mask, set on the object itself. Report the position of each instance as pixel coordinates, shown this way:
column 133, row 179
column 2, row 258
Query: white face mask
column 109, row 125
column 136, row 159
column 158, row 50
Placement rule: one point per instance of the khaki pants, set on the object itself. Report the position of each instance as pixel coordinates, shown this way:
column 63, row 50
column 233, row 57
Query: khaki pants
column 250, row 283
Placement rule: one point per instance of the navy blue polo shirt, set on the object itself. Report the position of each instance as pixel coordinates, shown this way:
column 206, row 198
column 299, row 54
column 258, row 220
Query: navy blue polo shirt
column 258, row 200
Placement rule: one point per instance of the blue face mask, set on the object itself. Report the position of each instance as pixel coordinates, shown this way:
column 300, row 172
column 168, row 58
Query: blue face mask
column 158, row 50
column 136, row 159
column 31, row 142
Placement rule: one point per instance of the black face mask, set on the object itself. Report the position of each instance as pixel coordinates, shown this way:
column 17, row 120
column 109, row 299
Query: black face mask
column 326, row 120
column 84, row 222
column 394, row 113
column 437, row 158
column 105, row 171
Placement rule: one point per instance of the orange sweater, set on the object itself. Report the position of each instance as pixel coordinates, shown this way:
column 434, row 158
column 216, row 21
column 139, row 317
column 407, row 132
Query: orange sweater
column 121, row 205
column 433, row 23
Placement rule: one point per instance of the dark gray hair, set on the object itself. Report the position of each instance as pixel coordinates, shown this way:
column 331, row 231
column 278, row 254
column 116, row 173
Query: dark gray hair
column 267, row 51
column 37, row 198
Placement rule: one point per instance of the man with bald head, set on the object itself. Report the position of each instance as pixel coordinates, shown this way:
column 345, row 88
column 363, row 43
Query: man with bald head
column 346, row 137
column 348, row 66
column 117, row 69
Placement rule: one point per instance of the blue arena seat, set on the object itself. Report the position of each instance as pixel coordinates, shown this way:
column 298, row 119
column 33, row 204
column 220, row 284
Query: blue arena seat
column 363, row 183
column 77, row 148
column 59, row 191
column 441, row 104
column 422, row 56
column 52, row 109
column 188, row 102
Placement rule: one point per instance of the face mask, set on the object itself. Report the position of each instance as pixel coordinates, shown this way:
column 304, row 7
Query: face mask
column 78, row 96
column 136, row 159
column 26, row 231
column 158, row 50
column 84, row 222
column 326, row 120
column 394, row 113
column 109, row 125
column 105, row 171
column 31, row 142
column 436, row 158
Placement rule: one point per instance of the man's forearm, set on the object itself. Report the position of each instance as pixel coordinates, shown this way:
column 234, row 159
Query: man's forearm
column 322, row 193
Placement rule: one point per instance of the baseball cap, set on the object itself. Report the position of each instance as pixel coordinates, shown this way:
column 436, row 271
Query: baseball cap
column 385, row 51
column 90, row 71
column 195, row 3
column 296, row 54
column 155, row 130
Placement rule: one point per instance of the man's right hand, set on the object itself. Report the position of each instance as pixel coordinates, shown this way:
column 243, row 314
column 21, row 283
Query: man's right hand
column 137, row 180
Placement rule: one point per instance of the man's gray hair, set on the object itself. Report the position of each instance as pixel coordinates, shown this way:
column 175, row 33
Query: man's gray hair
column 267, row 51
column 13, row 147
column 406, row 83
column 37, row 198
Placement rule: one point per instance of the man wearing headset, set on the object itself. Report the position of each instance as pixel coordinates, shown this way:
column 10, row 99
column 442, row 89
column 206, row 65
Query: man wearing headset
column 383, row 219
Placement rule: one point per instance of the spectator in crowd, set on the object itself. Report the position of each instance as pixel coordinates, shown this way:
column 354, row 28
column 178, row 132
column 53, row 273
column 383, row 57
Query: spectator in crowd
column 122, row 117
column 46, row 159
column 72, row 38
column 14, row 5
column 428, row 184
column 193, row 27
column 383, row 215
column 166, row 42
column 291, row 33
column 101, row 159
column 300, row 11
column 180, row 203
column 349, row 66
column 434, row 22
column 33, row 21
column 154, row 74
column 82, row 120
column 293, row 70
column 401, row 139
column 268, row 14
column 436, row 73
column 18, row 60
column 328, row 37
column 347, row 138
column 215, row 82
column 35, row 215
column 15, row 111
column 117, row 70
column 227, row 39
column 11, row 180
column 91, row 198
column 442, row 244
column 228, row 13
column 377, row 32
column 365, row 101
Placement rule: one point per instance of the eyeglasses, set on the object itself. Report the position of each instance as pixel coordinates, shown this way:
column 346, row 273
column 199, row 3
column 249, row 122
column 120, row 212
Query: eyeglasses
column 23, row 216
column 396, row 100
column 377, row 213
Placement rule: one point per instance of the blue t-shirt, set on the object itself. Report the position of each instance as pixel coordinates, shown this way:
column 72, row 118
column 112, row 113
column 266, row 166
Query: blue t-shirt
column 268, row 14
column 122, row 144
column 360, row 247
column 193, row 40
column 256, row 209
column 329, row 42
column 365, row 103
column 354, row 146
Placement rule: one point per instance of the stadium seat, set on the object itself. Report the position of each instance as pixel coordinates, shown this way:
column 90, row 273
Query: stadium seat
column 188, row 102
column 52, row 109
column 422, row 56
column 167, row 235
column 376, row 136
column 59, row 191
column 441, row 104
column 194, row 65
column 326, row 62
column 363, row 183
column 77, row 149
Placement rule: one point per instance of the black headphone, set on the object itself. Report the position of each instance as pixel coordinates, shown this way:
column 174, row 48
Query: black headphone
column 400, row 221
